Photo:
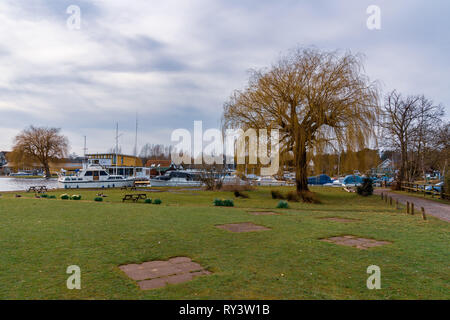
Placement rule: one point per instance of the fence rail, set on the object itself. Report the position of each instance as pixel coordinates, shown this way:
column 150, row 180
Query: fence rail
column 420, row 188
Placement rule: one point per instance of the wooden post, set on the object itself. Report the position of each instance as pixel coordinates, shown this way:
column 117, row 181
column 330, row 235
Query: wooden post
column 407, row 207
column 390, row 201
column 424, row 217
column 412, row 208
column 396, row 204
column 382, row 196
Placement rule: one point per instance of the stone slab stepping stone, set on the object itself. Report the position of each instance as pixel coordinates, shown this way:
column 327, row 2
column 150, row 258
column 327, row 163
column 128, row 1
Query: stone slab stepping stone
column 157, row 274
column 263, row 213
column 337, row 219
column 242, row 227
column 356, row 242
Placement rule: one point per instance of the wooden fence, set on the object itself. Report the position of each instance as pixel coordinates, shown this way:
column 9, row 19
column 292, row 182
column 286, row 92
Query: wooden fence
column 420, row 188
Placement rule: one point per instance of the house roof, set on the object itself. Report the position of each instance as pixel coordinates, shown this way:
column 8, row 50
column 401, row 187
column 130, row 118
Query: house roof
column 161, row 163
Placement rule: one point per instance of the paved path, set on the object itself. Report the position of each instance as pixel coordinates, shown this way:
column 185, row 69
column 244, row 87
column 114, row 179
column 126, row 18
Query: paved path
column 433, row 208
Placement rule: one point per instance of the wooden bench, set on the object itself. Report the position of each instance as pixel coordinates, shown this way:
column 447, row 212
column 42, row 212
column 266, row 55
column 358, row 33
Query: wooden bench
column 134, row 197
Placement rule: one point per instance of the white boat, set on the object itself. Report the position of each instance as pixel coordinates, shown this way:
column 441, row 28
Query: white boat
column 233, row 180
column 93, row 176
column 269, row 181
column 176, row 179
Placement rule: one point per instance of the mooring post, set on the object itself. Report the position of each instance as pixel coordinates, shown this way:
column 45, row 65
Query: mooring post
column 424, row 217
column 407, row 207
column 412, row 208
column 396, row 204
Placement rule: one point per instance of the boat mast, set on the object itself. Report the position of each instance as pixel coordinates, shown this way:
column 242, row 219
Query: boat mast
column 117, row 145
column 135, row 146
column 84, row 153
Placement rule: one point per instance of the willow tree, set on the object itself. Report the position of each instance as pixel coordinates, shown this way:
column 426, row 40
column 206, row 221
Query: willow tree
column 40, row 144
column 319, row 100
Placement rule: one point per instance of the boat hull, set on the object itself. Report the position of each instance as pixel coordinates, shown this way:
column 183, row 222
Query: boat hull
column 95, row 184
column 174, row 183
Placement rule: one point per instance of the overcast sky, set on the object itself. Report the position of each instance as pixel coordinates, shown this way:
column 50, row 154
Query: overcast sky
column 176, row 61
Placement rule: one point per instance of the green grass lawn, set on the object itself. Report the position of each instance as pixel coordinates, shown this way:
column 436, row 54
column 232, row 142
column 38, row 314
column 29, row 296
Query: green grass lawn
column 40, row 238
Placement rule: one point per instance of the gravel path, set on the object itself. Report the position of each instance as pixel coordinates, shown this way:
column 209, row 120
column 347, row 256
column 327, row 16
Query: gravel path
column 432, row 208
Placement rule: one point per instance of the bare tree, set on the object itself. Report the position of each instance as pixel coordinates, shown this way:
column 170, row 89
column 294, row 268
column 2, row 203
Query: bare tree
column 408, row 123
column 397, row 122
column 155, row 152
column 40, row 144
column 316, row 99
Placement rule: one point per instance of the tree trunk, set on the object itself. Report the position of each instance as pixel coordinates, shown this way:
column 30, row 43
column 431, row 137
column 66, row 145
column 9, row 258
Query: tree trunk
column 301, row 167
column 47, row 170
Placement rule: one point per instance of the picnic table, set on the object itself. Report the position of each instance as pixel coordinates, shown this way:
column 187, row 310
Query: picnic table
column 134, row 197
column 38, row 189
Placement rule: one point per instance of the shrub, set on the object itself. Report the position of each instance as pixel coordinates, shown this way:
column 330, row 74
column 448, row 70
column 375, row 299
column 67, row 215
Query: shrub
column 148, row 201
column 98, row 199
column 223, row 203
column 240, row 194
column 366, row 189
column 447, row 184
column 65, row 196
column 51, row 197
column 76, row 197
column 293, row 196
column 228, row 203
column 276, row 194
column 44, row 195
column 157, row 201
column 283, row 205
column 237, row 187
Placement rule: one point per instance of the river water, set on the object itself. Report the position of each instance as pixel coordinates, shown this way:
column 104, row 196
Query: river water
column 14, row 184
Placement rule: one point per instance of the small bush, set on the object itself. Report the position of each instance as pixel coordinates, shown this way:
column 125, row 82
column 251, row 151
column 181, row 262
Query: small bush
column 223, row 203
column 283, row 205
column 76, row 197
column 98, row 199
column 237, row 187
column 44, row 195
column 51, row 197
column 277, row 195
column 65, row 196
column 396, row 186
column 239, row 194
column 293, row 196
column 366, row 189
column 148, row 201
column 228, row 203
column 157, row 201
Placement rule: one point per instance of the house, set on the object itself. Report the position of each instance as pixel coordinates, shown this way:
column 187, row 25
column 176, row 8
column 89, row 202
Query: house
column 120, row 164
column 3, row 162
column 158, row 167
column 386, row 168
column 35, row 168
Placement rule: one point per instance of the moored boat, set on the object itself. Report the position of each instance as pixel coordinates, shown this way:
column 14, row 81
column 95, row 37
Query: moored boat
column 93, row 176
column 176, row 179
